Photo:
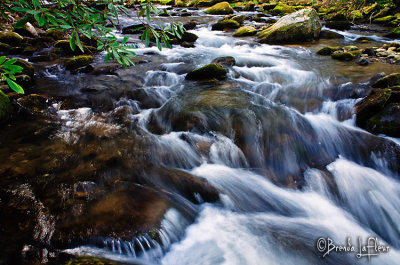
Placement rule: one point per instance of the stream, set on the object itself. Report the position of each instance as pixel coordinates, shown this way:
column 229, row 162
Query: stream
column 277, row 139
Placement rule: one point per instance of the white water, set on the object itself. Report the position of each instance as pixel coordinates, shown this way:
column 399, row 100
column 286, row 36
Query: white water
column 258, row 221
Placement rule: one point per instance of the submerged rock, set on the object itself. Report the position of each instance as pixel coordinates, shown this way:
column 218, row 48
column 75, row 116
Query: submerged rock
column 207, row 72
column 245, row 31
column 222, row 8
column 386, row 121
column 371, row 105
column 300, row 26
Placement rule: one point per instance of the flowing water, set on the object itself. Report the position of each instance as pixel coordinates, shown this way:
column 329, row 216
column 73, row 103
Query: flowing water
column 277, row 139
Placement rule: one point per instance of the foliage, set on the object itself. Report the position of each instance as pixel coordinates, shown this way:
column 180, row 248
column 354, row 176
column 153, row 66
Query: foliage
column 7, row 71
column 91, row 19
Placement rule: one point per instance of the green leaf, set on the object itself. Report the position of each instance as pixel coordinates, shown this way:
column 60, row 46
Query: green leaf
column 14, row 86
column 78, row 42
column 147, row 37
column 21, row 23
column 72, row 42
column 2, row 59
column 36, row 3
column 158, row 44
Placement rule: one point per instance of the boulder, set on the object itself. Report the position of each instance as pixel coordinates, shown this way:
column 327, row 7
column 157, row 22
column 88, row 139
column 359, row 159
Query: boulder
column 282, row 9
column 5, row 106
column 225, row 24
column 227, row 61
column 222, row 8
column 300, row 26
column 189, row 37
column 190, row 25
column 207, row 72
column 394, row 33
column 387, row 81
column 327, row 34
column 78, row 61
column 371, row 105
column 386, row 121
column 245, row 31
column 238, row 18
column 10, row 38
column 327, row 50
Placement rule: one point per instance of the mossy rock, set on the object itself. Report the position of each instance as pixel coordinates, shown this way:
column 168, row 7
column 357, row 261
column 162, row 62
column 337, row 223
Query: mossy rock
column 300, row 26
column 327, row 34
column 282, row 9
column 225, row 24
column 249, row 6
column 394, row 33
column 5, row 106
column 55, row 34
column 369, row 9
column 387, row 81
column 383, row 20
column 33, row 103
column 208, row 72
column 4, row 48
column 346, row 56
column 28, row 68
column 351, row 48
column 206, row 3
column 189, row 37
column 222, row 8
column 238, row 18
column 328, row 50
column 335, row 16
column 78, row 61
column 356, row 15
column 245, row 31
column 90, row 261
column 386, row 121
column 64, row 45
column 29, row 50
column 269, row 6
column 10, row 38
column 371, row 105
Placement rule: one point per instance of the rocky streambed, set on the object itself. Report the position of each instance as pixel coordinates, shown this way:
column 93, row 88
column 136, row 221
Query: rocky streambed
column 227, row 148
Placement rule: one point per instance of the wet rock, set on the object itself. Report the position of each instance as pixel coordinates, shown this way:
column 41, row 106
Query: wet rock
column 10, row 38
column 225, row 24
column 249, row 6
column 207, row 72
column 133, row 29
column 269, row 6
column 190, row 25
column 5, row 106
column 227, row 61
column 4, row 48
column 33, row 103
column 189, row 37
column 387, row 81
column 346, row 55
column 56, row 34
column 25, row 81
column 327, row 34
column 245, row 31
column 186, row 44
column 28, row 68
column 28, row 30
column 106, row 69
column 222, row 8
column 362, row 61
column 371, row 105
column 328, row 50
column 91, row 261
column 369, row 51
column 205, row 3
column 83, row 189
column 340, row 25
column 125, row 212
column 29, row 50
column 185, row 184
column 238, row 18
column 64, row 45
column 78, row 61
column 297, row 27
column 386, row 121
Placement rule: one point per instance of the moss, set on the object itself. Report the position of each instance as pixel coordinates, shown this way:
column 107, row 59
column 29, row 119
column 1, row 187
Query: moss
column 4, row 47
column 225, row 24
column 350, row 48
column 346, row 56
column 327, row 50
column 90, row 261
column 394, row 33
column 383, row 20
column 29, row 50
column 371, row 105
column 357, row 15
column 207, row 72
column 387, row 81
column 245, row 31
column 282, row 9
column 5, row 106
column 222, row 8
column 10, row 38
column 78, row 61
column 34, row 103
column 386, row 121
column 55, row 34
column 368, row 9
